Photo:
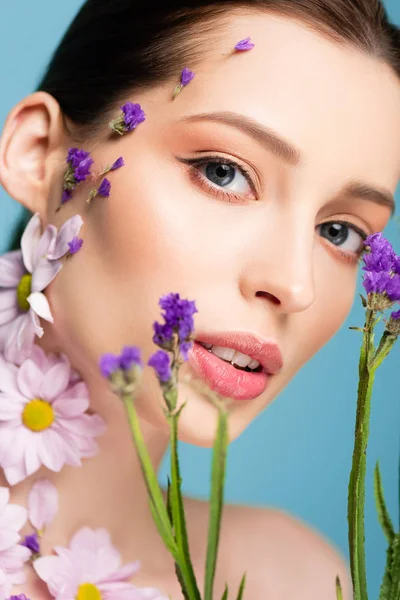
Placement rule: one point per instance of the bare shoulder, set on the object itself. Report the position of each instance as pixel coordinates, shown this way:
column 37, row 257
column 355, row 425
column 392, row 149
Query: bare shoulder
column 284, row 558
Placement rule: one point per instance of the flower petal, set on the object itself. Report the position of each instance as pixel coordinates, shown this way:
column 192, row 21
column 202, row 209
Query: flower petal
column 29, row 379
column 8, row 538
column 29, row 240
column 67, row 232
column 9, row 309
column 42, row 503
column 55, row 381
column 11, row 269
column 44, row 273
column 19, row 342
column 45, row 244
column 40, row 305
column 9, row 378
column 14, row 516
column 32, row 461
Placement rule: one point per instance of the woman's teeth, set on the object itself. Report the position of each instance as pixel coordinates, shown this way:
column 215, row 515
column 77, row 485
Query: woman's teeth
column 233, row 356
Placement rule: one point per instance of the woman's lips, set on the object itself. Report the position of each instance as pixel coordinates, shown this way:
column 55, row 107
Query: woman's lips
column 225, row 379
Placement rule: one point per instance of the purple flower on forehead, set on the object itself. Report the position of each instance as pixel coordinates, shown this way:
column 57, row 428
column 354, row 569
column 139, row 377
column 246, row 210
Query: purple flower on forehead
column 104, row 188
column 129, row 357
column 133, row 115
column 75, row 245
column 31, row 542
column 245, row 44
column 118, row 163
column 186, row 76
column 160, row 361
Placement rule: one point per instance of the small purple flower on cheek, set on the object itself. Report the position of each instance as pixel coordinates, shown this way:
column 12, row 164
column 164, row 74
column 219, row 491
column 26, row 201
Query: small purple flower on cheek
column 104, row 188
column 66, row 195
column 245, row 44
column 186, row 76
column 118, row 163
column 75, row 245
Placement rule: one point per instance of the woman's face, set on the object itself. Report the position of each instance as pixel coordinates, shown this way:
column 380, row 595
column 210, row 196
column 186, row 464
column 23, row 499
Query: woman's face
column 256, row 244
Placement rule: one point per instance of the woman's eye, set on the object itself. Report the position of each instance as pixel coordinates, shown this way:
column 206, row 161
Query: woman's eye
column 223, row 178
column 346, row 236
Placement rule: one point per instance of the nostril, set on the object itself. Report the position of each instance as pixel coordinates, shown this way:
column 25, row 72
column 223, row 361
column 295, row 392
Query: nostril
column 274, row 299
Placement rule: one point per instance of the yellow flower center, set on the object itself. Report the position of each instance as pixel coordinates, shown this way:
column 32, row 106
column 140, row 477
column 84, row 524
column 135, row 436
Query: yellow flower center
column 88, row 591
column 23, row 291
column 38, row 415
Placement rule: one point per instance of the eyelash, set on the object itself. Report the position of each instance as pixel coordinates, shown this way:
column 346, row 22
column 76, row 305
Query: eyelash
column 195, row 163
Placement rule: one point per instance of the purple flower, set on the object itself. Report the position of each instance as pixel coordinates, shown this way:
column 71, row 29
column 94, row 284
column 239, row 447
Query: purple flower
column 82, row 171
column 104, row 188
column 186, row 76
column 75, row 244
column 395, row 315
column 245, row 44
column 160, row 361
column 31, row 542
column 178, row 317
column 381, row 256
column 133, row 115
column 19, row 597
column 118, row 163
column 376, row 282
column 393, row 288
column 66, row 195
column 76, row 156
column 109, row 363
column 129, row 357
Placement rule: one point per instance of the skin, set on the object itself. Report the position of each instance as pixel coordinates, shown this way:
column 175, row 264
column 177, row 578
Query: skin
column 162, row 230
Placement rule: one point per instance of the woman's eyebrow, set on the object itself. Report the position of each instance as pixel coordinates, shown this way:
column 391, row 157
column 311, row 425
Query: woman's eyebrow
column 289, row 153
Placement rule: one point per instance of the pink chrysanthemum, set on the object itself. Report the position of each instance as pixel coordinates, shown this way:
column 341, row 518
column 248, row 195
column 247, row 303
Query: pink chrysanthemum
column 24, row 274
column 90, row 569
column 12, row 554
column 43, row 418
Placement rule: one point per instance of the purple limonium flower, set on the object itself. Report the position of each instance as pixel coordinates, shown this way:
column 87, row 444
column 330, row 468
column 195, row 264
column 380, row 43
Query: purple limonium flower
column 129, row 357
column 381, row 256
column 178, row 317
column 32, row 542
column 75, row 245
column 79, row 163
column 132, row 115
column 66, row 195
column 109, row 364
column 161, row 363
column 19, row 597
column 118, row 163
column 104, row 188
column 245, row 44
column 186, row 76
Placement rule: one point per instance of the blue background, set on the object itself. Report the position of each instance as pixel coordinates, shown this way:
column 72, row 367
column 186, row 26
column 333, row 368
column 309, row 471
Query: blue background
column 297, row 454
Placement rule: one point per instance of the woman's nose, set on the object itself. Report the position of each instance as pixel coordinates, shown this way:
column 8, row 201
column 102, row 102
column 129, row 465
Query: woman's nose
column 280, row 268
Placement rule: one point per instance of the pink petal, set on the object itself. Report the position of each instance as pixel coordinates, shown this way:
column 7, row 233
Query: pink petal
column 123, row 572
column 40, row 305
column 68, row 231
column 29, row 379
column 15, row 475
column 30, row 239
column 8, row 379
column 44, row 273
column 31, row 458
column 10, row 408
column 4, row 497
column 45, row 243
column 55, row 451
column 20, row 339
column 85, row 425
column 46, row 567
column 14, row 516
column 42, row 503
column 55, row 381
column 11, row 269
column 14, row 455
column 9, row 309
column 70, row 408
column 18, row 578
column 8, row 538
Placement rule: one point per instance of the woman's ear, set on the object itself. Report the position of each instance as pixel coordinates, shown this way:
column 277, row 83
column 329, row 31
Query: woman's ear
column 30, row 149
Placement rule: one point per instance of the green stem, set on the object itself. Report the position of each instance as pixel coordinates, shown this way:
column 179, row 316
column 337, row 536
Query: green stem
column 356, row 497
column 157, row 506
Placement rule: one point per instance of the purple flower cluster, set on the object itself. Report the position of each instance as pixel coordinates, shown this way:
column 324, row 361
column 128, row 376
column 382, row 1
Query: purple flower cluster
column 79, row 163
column 178, row 317
column 161, row 363
column 75, row 245
column 382, row 268
column 32, row 542
column 129, row 357
column 132, row 115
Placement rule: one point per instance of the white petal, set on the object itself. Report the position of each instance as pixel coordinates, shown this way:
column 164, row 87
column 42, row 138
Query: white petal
column 44, row 245
column 42, row 503
column 11, row 269
column 29, row 241
column 44, row 273
column 40, row 306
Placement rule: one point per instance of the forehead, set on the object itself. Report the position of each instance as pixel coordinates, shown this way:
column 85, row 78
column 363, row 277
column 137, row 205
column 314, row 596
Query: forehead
column 339, row 106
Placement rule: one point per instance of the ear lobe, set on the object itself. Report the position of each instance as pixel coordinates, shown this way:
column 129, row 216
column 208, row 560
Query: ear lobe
column 32, row 133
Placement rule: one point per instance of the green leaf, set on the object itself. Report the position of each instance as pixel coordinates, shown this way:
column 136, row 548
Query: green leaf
column 158, row 509
column 387, row 578
column 383, row 513
column 225, row 595
column 178, row 514
column 216, row 500
column 364, row 301
column 395, row 570
column 339, row 593
column 169, row 508
column 241, row 588
column 182, row 582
